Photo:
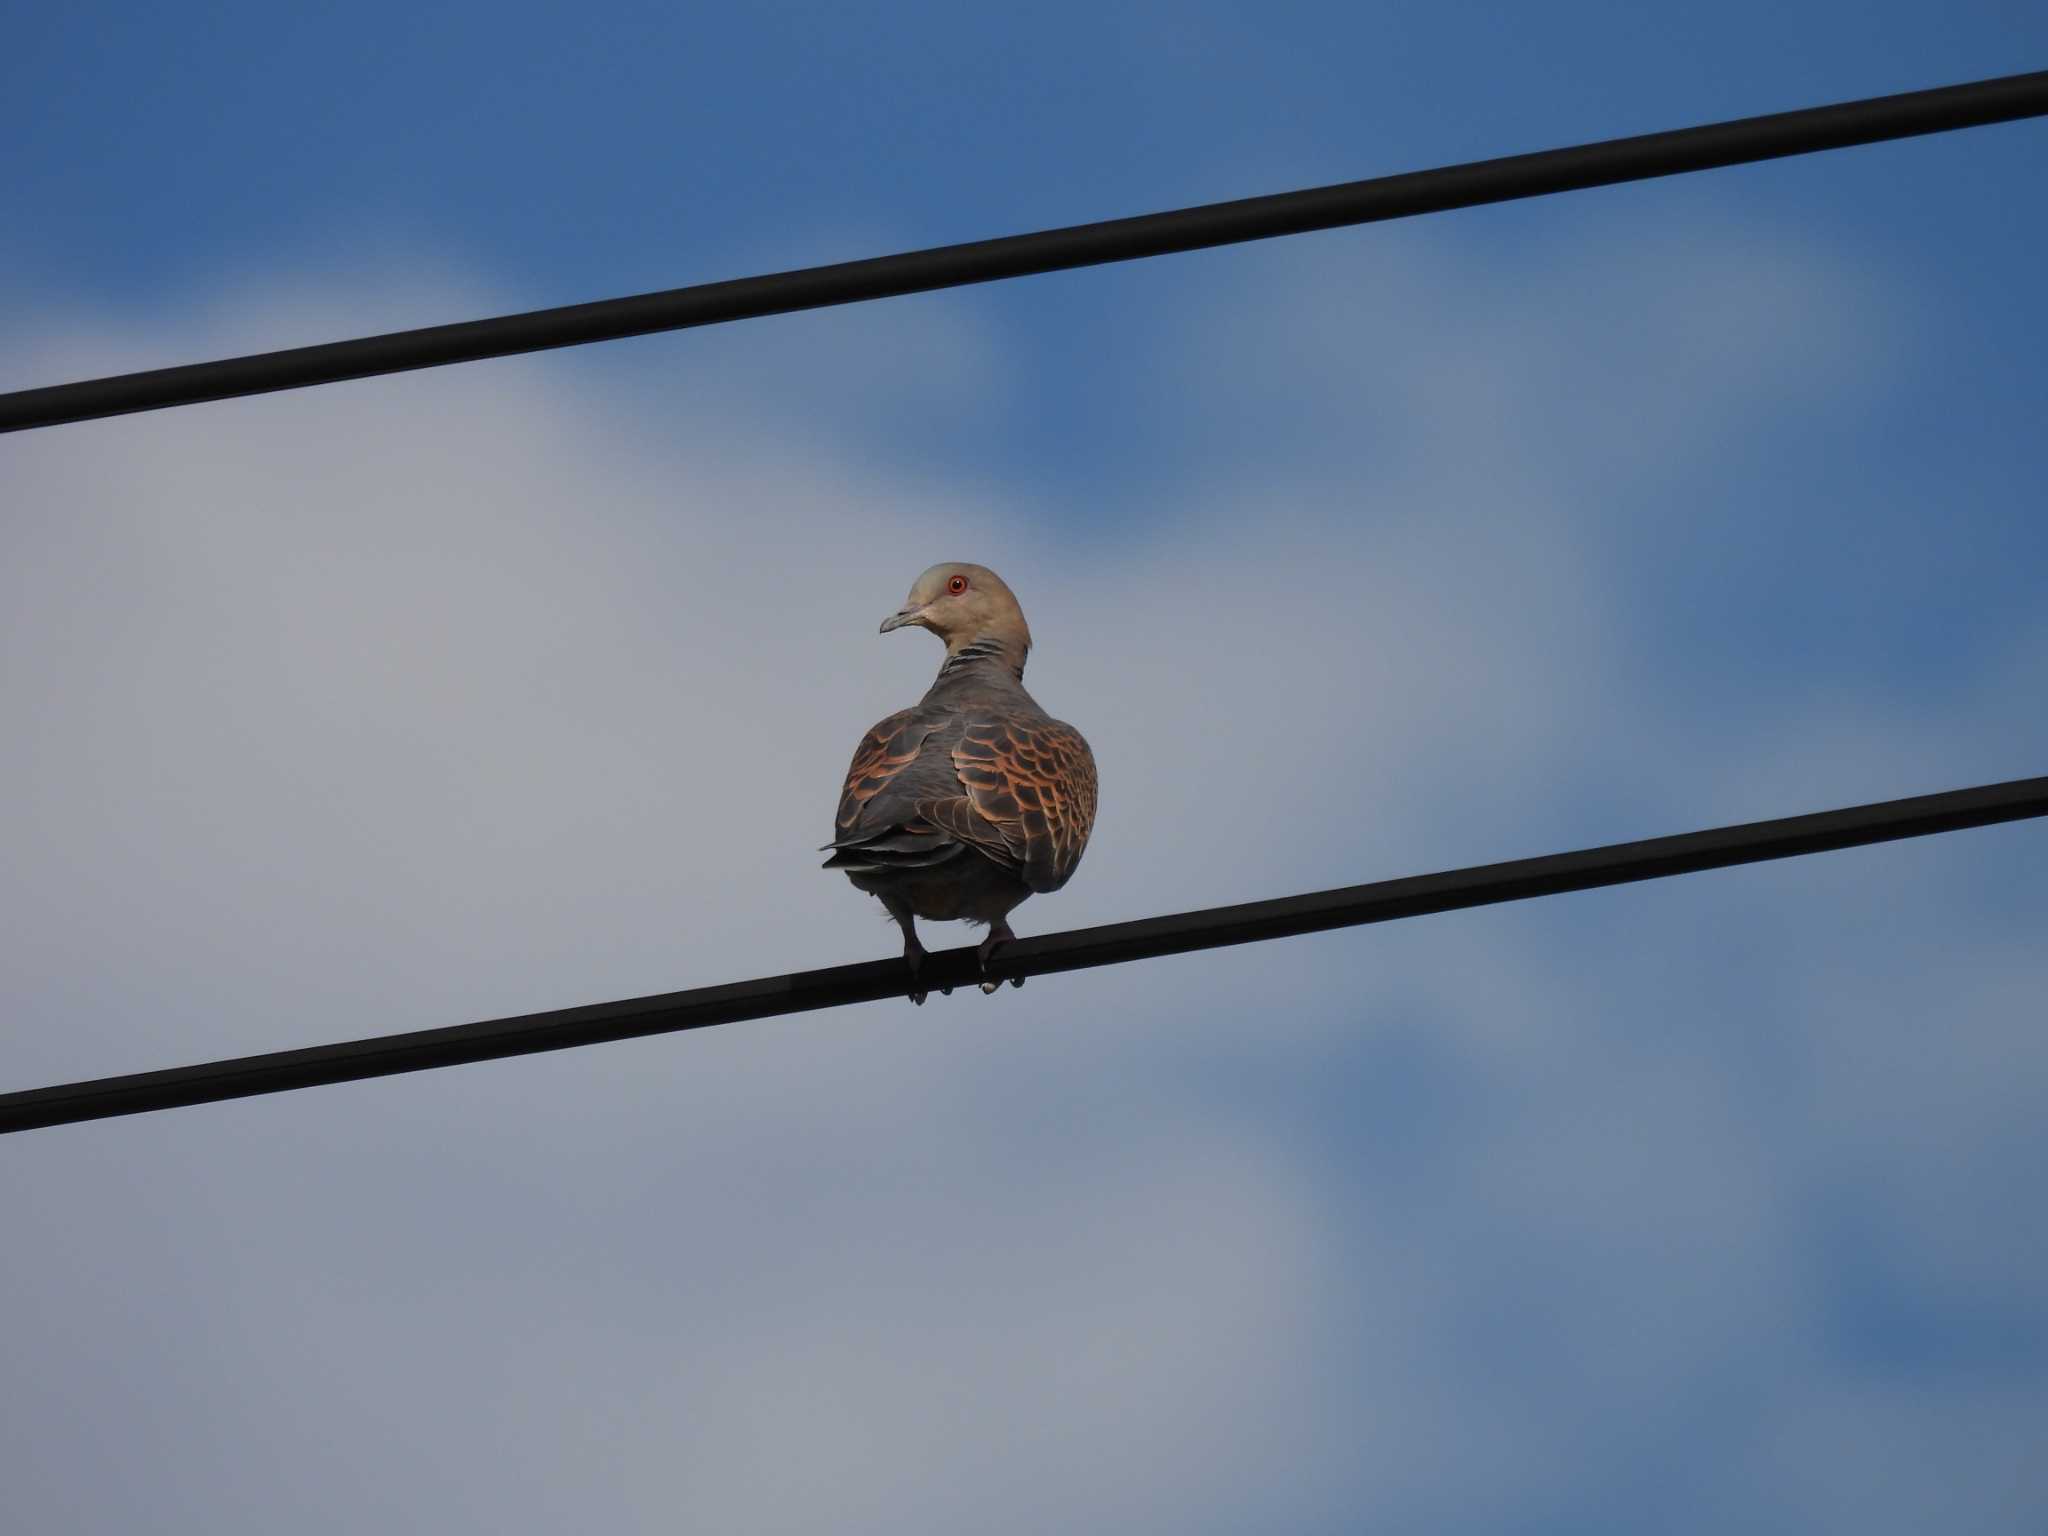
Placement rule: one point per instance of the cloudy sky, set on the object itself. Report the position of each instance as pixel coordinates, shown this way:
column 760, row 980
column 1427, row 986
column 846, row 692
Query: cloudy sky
column 1700, row 1205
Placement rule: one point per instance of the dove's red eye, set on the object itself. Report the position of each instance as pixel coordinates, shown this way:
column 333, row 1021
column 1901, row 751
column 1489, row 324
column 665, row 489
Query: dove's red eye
column 956, row 584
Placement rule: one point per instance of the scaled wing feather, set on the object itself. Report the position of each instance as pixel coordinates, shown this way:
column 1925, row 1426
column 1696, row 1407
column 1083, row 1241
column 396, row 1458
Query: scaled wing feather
column 1029, row 800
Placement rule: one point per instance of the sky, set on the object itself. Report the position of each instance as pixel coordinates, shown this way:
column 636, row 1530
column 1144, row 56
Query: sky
column 1703, row 1204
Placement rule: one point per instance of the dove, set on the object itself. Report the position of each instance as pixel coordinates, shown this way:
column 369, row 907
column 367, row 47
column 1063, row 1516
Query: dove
column 975, row 799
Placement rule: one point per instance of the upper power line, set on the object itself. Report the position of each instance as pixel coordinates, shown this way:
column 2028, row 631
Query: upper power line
column 1112, row 944
column 1739, row 142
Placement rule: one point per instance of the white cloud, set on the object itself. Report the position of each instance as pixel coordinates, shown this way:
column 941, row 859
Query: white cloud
column 387, row 705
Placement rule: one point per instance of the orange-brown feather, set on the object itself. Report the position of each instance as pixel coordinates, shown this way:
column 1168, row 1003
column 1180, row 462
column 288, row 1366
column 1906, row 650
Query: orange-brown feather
column 883, row 753
column 1029, row 801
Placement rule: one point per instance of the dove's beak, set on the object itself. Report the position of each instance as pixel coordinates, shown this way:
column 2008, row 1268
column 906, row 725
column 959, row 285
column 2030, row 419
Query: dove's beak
column 899, row 619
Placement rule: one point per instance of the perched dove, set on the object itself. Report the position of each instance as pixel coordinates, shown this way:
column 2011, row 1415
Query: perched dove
column 965, row 805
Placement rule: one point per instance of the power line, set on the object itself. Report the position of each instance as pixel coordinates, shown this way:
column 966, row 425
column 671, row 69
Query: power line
column 1112, row 944
column 1739, row 142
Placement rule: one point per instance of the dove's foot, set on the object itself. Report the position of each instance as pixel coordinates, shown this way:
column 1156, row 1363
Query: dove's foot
column 913, row 956
column 913, row 952
column 998, row 935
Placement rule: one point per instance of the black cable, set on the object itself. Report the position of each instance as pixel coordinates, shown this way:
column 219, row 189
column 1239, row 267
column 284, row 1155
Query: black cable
column 1188, row 229
column 1111, row 944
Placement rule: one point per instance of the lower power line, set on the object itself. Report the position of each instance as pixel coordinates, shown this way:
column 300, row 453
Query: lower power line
column 1112, row 944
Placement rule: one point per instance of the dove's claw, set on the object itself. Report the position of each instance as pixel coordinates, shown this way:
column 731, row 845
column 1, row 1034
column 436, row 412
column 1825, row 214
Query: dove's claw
column 998, row 935
column 913, row 952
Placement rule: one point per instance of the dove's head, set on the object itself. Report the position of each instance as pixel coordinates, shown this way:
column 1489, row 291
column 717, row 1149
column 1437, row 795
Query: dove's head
column 965, row 605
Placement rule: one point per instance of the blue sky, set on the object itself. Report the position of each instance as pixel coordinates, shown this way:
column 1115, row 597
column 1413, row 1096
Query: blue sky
column 1701, row 1204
